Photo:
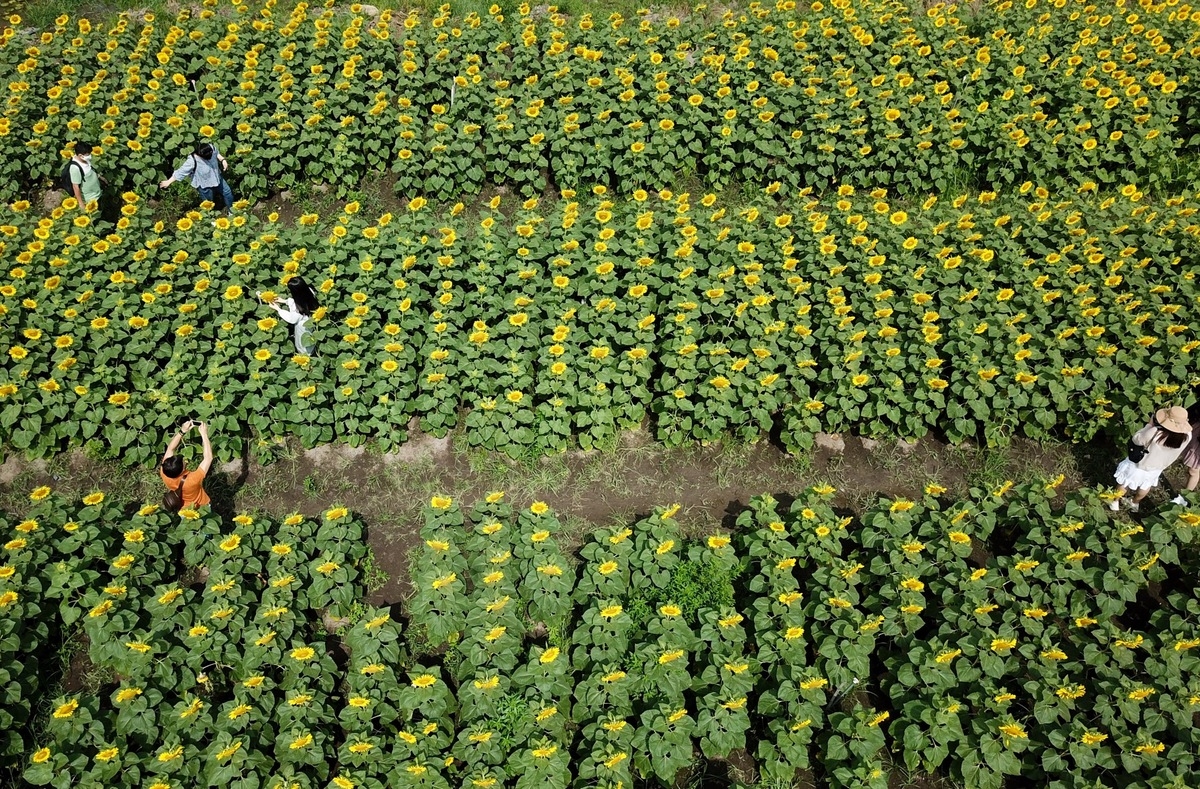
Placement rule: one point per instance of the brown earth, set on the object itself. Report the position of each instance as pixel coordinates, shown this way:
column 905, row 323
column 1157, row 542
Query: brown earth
column 586, row 489
column 78, row 667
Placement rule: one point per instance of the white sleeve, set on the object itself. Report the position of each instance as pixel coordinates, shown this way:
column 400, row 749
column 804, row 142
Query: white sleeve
column 289, row 312
column 1145, row 436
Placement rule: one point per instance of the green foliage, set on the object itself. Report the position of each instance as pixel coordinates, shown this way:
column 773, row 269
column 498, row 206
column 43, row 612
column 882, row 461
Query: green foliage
column 1041, row 662
column 374, row 576
column 696, row 585
column 453, row 97
column 978, row 317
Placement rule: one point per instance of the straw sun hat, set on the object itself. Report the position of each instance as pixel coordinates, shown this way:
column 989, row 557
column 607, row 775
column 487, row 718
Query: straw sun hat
column 1174, row 419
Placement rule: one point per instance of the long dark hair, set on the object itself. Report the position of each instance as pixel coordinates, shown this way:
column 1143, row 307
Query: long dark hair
column 204, row 150
column 1168, row 438
column 304, row 295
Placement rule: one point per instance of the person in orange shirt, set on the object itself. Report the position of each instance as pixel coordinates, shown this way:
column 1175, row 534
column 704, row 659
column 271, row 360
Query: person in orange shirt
column 173, row 472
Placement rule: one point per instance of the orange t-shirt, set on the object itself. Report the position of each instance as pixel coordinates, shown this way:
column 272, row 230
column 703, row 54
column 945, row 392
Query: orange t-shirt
column 194, row 494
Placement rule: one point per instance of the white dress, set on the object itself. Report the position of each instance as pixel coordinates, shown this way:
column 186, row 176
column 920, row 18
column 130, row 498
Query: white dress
column 299, row 321
column 1145, row 473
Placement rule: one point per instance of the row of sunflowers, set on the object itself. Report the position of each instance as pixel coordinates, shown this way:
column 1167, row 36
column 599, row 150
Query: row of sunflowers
column 173, row 608
column 518, row 666
column 540, row 327
column 868, row 92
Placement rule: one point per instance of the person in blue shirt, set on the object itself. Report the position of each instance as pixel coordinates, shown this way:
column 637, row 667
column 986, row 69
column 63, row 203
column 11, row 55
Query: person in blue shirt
column 204, row 169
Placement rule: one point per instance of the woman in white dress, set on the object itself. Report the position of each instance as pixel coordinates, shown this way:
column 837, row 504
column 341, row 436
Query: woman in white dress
column 297, row 310
column 1152, row 449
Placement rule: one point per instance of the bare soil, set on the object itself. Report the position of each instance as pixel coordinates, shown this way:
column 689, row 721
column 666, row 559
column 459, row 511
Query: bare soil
column 78, row 671
column 738, row 769
column 587, row 490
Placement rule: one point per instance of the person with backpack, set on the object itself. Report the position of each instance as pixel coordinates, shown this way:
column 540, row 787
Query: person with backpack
column 1151, row 450
column 297, row 310
column 185, row 490
column 80, row 180
column 204, row 168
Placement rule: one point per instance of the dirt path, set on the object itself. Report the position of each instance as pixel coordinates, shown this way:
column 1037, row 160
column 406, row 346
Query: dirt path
column 586, row 489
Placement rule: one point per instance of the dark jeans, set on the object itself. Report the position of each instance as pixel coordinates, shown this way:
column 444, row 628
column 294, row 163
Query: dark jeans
column 110, row 208
column 210, row 193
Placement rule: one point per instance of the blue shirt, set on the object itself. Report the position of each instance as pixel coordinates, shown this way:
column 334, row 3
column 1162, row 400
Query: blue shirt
column 202, row 172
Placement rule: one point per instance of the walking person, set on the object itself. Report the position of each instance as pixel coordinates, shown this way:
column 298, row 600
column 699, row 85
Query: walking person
column 187, row 485
column 204, row 168
column 297, row 310
column 1151, row 450
column 85, row 181
column 1191, row 455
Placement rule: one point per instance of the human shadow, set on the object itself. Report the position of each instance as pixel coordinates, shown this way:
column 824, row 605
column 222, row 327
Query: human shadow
column 1097, row 459
column 223, row 487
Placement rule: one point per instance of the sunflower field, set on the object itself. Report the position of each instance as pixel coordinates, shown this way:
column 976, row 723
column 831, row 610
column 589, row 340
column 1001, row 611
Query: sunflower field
column 1012, row 633
column 556, row 325
column 864, row 92
column 976, row 221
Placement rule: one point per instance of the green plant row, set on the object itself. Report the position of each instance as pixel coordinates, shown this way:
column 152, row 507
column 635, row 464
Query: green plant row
column 856, row 91
column 978, row 317
column 175, row 609
column 815, row 643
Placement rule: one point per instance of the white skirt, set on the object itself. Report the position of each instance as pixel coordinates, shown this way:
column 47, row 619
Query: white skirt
column 298, row 333
column 1130, row 477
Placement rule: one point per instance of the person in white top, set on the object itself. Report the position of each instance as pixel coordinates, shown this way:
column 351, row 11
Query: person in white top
column 1151, row 450
column 297, row 310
